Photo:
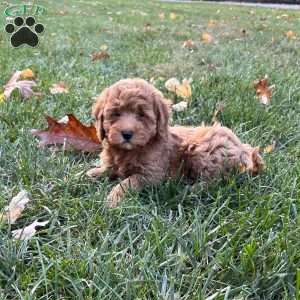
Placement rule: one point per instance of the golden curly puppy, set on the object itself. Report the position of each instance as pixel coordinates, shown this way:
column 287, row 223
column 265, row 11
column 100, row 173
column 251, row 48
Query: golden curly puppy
column 141, row 148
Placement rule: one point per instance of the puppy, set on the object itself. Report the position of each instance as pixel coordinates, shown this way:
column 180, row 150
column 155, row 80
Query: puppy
column 140, row 147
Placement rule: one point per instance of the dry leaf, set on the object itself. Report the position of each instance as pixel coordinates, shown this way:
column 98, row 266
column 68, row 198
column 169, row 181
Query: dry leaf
column 161, row 16
column 171, row 84
column 270, row 148
column 263, row 91
column 24, row 86
column 59, row 88
column 73, row 134
column 27, row 74
column 180, row 89
column 173, row 16
column 207, row 38
column 28, row 231
column 219, row 109
column 101, row 55
column 2, row 98
column 15, row 208
column 291, row 35
column 104, row 47
column 211, row 23
column 181, row 106
column 147, row 27
column 189, row 44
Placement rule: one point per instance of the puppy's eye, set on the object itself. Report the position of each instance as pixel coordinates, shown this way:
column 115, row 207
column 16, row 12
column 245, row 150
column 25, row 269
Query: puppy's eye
column 141, row 114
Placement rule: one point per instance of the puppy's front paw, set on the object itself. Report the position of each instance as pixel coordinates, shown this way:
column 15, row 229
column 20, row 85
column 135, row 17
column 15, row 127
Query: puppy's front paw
column 115, row 196
column 95, row 172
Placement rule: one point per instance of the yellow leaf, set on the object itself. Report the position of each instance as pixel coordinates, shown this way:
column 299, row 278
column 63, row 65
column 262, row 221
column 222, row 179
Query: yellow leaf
column 270, row 148
column 207, row 38
column 104, row 47
column 291, row 35
column 180, row 89
column 184, row 90
column 2, row 97
column 27, row 73
column 211, row 23
column 173, row 16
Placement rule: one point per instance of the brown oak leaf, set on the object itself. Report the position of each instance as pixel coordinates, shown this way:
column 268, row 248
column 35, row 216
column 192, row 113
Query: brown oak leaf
column 73, row 134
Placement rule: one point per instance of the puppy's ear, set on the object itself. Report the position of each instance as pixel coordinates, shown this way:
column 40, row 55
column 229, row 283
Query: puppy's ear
column 162, row 108
column 97, row 113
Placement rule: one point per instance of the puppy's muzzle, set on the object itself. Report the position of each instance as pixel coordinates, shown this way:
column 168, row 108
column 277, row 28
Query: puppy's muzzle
column 127, row 135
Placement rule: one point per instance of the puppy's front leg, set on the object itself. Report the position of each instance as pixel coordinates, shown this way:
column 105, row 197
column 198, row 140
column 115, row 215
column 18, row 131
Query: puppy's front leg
column 96, row 172
column 135, row 182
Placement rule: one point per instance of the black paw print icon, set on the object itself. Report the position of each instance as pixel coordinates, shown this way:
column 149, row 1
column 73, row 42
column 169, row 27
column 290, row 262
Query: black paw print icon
column 24, row 32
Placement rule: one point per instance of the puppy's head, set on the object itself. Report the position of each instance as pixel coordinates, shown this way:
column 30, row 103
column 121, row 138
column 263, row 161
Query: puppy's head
column 130, row 113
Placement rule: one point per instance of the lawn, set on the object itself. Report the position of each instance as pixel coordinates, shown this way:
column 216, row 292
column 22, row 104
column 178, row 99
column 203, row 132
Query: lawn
column 236, row 239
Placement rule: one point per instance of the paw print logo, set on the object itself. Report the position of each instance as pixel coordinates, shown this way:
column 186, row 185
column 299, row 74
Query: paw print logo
column 24, row 33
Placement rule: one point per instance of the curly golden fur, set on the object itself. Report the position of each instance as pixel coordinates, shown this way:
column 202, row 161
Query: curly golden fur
column 139, row 146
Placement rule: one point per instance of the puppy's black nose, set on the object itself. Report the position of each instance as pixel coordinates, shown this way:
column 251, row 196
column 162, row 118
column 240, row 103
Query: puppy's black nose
column 127, row 134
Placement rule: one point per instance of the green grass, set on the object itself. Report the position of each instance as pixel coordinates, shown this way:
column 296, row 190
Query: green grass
column 234, row 240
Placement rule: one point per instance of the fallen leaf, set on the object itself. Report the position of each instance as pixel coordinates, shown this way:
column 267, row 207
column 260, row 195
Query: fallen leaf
column 27, row 73
column 263, row 91
column 104, row 47
column 161, row 16
column 211, row 23
column 207, row 38
column 189, row 44
column 270, row 148
column 181, row 106
column 219, row 109
column 147, row 27
column 29, row 231
column 171, row 84
column 180, row 89
column 14, row 210
column 101, row 55
column 59, row 88
column 2, row 98
column 72, row 134
column 291, row 35
column 61, row 13
column 173, row 16
column 24, row 86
